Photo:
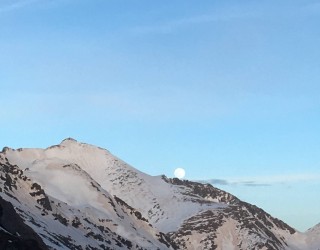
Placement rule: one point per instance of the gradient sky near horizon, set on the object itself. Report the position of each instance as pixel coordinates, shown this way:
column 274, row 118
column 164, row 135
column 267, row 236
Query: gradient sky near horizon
column 228, row 90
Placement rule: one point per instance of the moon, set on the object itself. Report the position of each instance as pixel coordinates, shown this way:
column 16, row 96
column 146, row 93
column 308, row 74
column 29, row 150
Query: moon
column 179, row 173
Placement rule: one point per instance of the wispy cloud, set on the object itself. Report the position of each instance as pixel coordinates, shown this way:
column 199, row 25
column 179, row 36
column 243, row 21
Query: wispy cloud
column 264, row 181
column 223, row 182
column 172, row 25
column 13, row 5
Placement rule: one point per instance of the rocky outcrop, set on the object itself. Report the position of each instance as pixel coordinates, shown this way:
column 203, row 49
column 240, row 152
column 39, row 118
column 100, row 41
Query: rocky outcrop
column 260, row 228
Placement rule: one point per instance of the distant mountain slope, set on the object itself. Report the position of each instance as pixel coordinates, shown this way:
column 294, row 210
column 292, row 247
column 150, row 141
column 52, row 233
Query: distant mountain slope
column 78, row 196
column 312, row 237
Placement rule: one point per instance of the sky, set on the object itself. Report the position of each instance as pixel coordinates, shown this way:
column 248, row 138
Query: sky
column 228, row 90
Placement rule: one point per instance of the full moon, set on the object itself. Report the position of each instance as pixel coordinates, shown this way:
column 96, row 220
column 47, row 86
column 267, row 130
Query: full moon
column 179, row 173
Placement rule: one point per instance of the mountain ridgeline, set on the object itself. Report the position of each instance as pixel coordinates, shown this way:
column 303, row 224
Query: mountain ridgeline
column 79, row 196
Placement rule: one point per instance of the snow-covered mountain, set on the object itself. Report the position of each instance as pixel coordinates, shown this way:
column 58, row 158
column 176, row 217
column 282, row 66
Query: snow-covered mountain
column 78, row 196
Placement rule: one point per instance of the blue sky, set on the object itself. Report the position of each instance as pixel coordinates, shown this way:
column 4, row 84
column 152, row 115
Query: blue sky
column 228, row 90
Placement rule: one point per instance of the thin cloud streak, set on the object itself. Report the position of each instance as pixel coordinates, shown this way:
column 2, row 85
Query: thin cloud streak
column 170, row 26
column 16, row 5
column 225, row 15
column 223, row 182
column 264, row 181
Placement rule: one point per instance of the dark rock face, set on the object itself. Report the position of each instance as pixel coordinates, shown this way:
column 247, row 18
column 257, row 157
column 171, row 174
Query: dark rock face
column 206, row 191
column 18, row 235
column 10, row 175
column 165, row 239
column 208, row 222
column 43, row 199
column 10, row 242
column 133, row 211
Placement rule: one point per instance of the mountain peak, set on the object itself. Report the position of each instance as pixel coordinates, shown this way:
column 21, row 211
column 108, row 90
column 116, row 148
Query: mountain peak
column 314, row 228
column 69, row 140
column 5, row 149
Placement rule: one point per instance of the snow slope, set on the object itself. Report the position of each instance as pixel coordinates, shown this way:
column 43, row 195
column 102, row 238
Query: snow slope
column 152, row 196
column 75, row 204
